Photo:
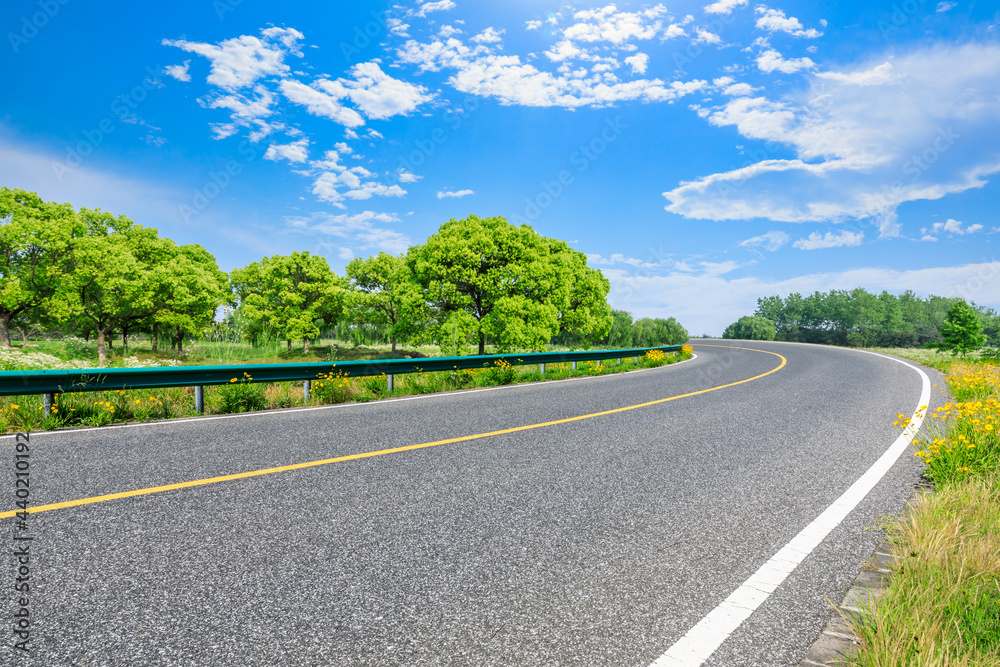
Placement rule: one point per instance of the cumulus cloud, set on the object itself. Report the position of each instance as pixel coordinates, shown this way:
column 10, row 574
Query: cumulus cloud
column 179, row 72
column 375, row 93
column 489, row 36
column 239, row 62
column 774, row 20
column 440, row 6
column 866, row 141
column 815, row 241
column 771, row 60
column 443, row 194
column 724, row 6
column 334, row 182
column 320, row 103
column 638, row 63
column 480, row 71
column 295, row 152
column 952, row 227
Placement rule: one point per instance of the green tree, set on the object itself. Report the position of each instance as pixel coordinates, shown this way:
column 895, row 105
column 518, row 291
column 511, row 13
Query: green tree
column 962, row 329
column 621, row 335
column 518, row 287
column 120, row 274
column 750, row 327
column 195, row 289
column 293, row 295
column 36, row 240
column 385, row 293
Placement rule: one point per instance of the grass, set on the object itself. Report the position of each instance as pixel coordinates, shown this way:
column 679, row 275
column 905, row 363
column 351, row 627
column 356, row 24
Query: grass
column 24, row 413
column 943, row 602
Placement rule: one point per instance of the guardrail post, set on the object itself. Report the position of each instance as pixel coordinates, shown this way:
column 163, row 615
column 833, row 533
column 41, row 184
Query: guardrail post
column 388, row 383
column 199, row 400
column 599, row 364
column 305, row 391
column 619, row 361
column 47, row 404
column 574, row 365
column 541, row 368
column 637, row 359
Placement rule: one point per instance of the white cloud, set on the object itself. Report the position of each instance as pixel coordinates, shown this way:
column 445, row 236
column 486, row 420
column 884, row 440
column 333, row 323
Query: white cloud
column 924, row 132
column 771, row 241
column 407, row 177
column 376, row 93
column 532, row 25
column 479, row 71
column 239, row 62
column 706, row 304
column 320, row 103
column 774, row 20
column 945, row 6
column 295, row 152
column 954, row 227
column 335, row 182
column 397, row 27
column 440, row 6
column 638, row 63
column 771, row 60
column 442, row 194
column 927, row 237
column 361, row 229
column 876, row 76
column 179, row 72
column 815, row 241
column 447, row 31
column 674, row 31
column 489, row 36
column 345, row 254
column 724, row 6
column 706, row 37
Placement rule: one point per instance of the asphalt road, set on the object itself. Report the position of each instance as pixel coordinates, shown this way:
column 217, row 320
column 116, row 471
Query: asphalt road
column 600, row 541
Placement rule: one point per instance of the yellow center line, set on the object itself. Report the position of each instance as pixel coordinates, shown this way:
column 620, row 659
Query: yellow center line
column 381, row 452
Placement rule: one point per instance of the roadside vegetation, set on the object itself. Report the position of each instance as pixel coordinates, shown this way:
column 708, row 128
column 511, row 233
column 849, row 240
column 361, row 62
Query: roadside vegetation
column 24, row 413
column 942, row 606
column 858, row 318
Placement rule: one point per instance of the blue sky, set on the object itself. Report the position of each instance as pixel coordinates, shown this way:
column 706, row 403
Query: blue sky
column 701, row 154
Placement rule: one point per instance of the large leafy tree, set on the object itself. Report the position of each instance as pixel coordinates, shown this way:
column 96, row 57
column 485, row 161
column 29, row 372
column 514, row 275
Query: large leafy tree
column 383, row 292
column 509, row 284
column 121, row 274
column 195, row 289
column 293, row 295
column 962, row 329
column 36, row 239
column 750, row 327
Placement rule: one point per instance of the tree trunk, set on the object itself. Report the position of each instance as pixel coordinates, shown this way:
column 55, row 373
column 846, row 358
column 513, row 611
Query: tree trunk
column 5, row 330
column 102, row 353
column 393, row 340
column 305, row 346
column 482, row 342
column 289, row 344
column 155, row 342
column 125, row 340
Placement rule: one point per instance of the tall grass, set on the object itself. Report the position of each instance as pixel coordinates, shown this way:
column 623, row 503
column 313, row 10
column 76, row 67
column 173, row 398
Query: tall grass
column 943, row 603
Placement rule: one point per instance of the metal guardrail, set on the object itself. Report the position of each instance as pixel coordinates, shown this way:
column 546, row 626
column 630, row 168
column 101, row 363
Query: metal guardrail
column 50, row 382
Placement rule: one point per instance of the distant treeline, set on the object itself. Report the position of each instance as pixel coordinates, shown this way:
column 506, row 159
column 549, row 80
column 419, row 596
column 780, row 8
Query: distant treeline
column 860, row 318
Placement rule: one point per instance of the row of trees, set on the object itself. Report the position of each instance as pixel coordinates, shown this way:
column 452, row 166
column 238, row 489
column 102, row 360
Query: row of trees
column 857, row 318
column 476, row 280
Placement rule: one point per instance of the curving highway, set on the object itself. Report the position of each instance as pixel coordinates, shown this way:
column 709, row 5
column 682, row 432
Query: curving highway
column 547, row 524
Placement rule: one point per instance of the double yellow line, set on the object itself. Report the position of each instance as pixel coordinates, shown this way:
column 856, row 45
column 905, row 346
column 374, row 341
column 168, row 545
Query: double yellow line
column 381, row 452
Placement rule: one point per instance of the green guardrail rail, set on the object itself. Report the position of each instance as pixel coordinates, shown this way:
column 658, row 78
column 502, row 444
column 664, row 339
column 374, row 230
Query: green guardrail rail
column 50, row 382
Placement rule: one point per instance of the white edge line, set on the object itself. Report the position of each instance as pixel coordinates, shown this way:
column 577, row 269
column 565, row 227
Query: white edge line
column 337, row 406
column 701, row 641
